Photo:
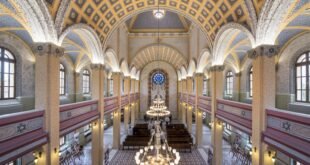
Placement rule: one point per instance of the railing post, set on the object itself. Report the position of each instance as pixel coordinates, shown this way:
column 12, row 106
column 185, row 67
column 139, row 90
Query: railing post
column 47, row 96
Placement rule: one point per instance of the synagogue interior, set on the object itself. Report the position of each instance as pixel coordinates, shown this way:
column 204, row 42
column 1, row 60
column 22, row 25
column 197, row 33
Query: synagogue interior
column 154, row 82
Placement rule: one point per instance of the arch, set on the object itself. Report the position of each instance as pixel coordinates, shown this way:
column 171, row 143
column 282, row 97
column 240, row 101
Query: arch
column 138, row 75
column 203, row 60
column 162, row 53
column 183, row 72
column 191, row 68
column 91, row 39
column 112, row 60
column 133, row 72
column 272, row 15
column 179, row 75
column 225, row 41
column 124, row 67
column 38, row 19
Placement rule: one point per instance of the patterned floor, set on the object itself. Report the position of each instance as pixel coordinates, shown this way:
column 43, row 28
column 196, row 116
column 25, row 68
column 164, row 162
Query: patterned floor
column 127, row 158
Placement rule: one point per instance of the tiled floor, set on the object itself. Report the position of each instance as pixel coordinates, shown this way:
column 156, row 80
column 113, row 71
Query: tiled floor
column 108, row 141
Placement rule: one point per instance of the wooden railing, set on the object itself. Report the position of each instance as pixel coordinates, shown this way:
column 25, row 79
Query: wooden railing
column 21, row 133
column 236, row 114
column 110, row 104
column 289, row 133
column 204, row 104
column 191, row 100
column 76, row 115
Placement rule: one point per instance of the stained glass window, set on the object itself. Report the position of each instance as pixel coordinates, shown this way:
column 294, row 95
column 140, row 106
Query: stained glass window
column 158, row 78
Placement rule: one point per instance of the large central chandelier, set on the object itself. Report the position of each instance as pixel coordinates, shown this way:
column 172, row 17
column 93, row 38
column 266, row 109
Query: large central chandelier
column 156, row 153
column 158, row 109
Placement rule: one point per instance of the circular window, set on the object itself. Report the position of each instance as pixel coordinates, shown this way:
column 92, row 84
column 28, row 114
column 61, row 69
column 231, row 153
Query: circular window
column 158, row 78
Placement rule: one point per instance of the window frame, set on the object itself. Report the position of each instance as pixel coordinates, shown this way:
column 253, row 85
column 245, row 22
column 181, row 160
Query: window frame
column 83, row 85
column 2, row 61
column 204, row 87
column 229, row 76
column 250, row 81
column 307, row 76
column 64, row 79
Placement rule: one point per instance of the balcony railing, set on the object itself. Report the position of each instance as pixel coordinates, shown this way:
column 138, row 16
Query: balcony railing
column 76, row 115
column 21, row 133
column 204, row 104
column 191, row 100
column 236, row 114
column 289, row 133
column 124, row 100
column 110, row 104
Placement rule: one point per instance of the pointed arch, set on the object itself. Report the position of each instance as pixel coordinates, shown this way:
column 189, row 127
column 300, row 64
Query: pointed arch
column 203, row 60
column 124, row 67
column 112, row 60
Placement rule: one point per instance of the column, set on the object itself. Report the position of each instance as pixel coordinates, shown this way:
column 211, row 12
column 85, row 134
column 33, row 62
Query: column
column 126, row 109
column 47, row 96
column 236, row 92
column 117, row 113
column 264, row 88
column 189, row 108
column 184, row 104
column 217, row 129
column 199, row 90
column 77, row 87
column 108, row 87
column 137, row 105
column 179, row 106
column 132, row 109
column 97, row 91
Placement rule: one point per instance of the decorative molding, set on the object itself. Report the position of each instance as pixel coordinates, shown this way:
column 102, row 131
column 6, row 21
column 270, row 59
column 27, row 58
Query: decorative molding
column 238, row 74
column 263, row 50
column 199, row 74
column 47, row 49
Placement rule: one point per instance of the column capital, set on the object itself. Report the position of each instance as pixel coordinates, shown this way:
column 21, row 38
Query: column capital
column 189, row 78
column 263, row 50
column 47, row 49
column 238, row 74
column 199, row 74
column 97, row 66
column 127, row 77
column 217, row 68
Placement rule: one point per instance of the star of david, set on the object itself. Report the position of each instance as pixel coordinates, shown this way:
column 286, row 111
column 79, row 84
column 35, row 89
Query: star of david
column 21, row 127
column 243, row 113
column 286, row 126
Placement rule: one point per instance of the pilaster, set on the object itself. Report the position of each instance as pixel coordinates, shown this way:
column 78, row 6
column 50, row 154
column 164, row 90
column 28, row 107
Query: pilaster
column 126, row 109
column 132, row 103
column 189, row 85
column 236, row 92
column 47, row 96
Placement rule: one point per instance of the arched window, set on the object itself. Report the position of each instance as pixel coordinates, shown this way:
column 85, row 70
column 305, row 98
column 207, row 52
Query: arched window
column 7, row 73
column 303, row 78
column 204, row 88
column 86, row 81
column 251, row 82
column 62, row 80
column 229, row 84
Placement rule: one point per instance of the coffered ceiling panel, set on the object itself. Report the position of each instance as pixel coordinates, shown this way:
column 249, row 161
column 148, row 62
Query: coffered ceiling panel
column 104, row 15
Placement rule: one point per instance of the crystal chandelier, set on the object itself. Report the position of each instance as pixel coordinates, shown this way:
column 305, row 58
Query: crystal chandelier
column 158, row 109
column 155, row 153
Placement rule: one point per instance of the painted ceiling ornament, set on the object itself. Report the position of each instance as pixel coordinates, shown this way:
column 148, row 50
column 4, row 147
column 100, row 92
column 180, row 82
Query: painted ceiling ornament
column 286, row 125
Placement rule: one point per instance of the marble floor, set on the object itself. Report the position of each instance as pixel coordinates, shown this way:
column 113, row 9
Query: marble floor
column 113, row 157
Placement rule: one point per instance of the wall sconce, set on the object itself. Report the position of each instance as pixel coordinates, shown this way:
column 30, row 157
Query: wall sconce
column 40, row 154
column 35, row 160
column 269, row 153
column 55, row 150
column 273, row 159
column 252, row 150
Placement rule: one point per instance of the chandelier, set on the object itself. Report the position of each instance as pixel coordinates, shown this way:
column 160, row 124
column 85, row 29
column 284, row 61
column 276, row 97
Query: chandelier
column 155, row 153
column 159, row 13
column 158, row 109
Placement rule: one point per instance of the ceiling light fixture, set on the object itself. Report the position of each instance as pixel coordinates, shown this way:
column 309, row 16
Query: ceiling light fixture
column 159, row 13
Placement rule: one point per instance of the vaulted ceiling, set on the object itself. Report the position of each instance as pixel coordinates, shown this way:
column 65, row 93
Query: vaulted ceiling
column 104, row 15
